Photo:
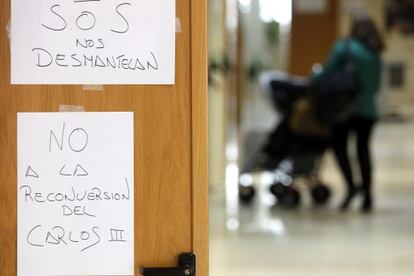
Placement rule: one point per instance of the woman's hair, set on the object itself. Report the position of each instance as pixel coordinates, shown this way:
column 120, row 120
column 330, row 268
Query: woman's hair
column 364, row 30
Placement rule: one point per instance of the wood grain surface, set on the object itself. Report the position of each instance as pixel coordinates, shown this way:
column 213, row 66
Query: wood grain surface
column 171, row 214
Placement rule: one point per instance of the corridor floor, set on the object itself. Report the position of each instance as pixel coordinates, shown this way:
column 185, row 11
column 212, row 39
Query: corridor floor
column 266, row 240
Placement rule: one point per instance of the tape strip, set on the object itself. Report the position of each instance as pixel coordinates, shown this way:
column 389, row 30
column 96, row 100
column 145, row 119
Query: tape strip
column 89, row 87
column 8, row 24
column 178, row 26
column 71, row 108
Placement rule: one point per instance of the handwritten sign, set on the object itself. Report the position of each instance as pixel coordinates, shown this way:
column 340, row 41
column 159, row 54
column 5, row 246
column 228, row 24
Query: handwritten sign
column 93, row 42
column 75, row 192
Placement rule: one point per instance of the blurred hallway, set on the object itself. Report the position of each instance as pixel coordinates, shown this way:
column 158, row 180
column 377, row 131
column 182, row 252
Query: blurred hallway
column 263, row 238
column 322, row 241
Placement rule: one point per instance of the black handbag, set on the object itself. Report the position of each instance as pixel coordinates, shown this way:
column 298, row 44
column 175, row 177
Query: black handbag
column 337, row 94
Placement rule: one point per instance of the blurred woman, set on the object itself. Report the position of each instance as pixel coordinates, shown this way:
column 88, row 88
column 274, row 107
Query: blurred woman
column 363, row 46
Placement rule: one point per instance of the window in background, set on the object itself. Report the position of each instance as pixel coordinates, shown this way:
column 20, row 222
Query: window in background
column 245, row 6
column 276, row 10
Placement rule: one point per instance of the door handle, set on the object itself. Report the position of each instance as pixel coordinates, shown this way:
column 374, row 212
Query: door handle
column 186, row 267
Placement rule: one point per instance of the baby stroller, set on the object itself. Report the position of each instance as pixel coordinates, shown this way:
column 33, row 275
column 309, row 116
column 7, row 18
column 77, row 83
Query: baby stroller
column 286, row 154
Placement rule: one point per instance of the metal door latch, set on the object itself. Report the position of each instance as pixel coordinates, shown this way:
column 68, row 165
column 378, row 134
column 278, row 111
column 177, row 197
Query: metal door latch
column 186, row 267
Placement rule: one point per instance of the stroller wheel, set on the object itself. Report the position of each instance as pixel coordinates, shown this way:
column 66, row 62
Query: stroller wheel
column 291, row 198
column 246, row 193
column 278, row 190
column 320, row 194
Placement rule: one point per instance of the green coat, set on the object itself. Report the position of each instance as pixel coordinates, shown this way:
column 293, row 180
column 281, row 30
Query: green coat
column 368, row 65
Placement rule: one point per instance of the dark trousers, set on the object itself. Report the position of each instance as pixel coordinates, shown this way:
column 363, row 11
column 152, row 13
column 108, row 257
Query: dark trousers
column 362, row 128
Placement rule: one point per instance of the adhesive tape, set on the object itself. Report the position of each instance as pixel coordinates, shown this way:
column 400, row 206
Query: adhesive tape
column 178, row 27
column 70, row 108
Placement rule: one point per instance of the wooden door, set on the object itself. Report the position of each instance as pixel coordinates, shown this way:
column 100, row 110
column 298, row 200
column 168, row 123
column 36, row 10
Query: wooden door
column 313, row 35
column 170, row 146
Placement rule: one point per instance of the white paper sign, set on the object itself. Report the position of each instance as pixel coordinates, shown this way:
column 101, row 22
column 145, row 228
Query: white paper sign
column 93, row 42
column 75, row 194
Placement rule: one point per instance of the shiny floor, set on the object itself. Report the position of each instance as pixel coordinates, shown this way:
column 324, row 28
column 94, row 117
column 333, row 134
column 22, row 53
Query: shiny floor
column 266, row 240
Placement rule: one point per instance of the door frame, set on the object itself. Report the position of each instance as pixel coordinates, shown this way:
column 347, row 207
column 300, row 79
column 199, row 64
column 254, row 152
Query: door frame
column 199, row 129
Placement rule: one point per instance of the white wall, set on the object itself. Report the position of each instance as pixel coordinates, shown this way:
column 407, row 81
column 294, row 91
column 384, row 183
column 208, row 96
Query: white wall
column 216, row 96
